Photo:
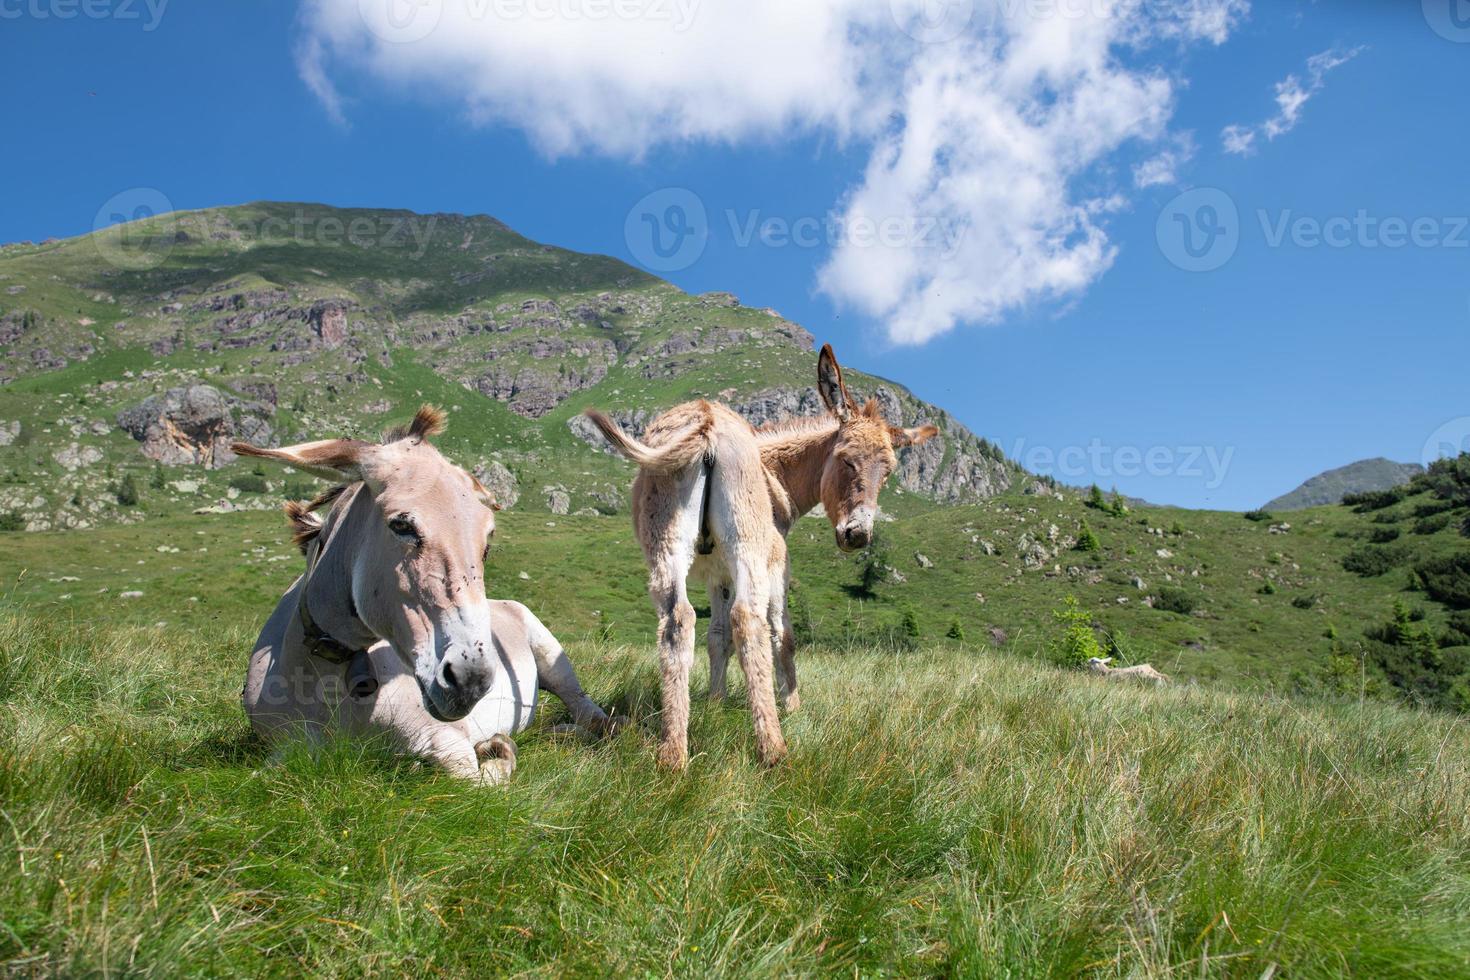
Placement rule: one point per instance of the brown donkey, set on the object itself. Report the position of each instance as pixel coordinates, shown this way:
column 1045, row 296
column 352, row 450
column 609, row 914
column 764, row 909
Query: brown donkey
column 715, row 497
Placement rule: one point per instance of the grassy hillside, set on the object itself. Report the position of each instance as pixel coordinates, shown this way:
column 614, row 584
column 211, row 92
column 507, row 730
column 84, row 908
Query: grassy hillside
column 948, row 811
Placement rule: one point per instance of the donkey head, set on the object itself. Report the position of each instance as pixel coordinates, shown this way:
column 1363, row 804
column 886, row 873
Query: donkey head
column 407, row 556
column 862, row 457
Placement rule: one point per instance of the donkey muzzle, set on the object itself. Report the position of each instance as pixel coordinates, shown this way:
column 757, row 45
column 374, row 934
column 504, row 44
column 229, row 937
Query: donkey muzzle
column 463, row 678
column 853, row 537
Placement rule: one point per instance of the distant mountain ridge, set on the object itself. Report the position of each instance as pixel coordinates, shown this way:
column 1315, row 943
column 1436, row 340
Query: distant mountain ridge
column 1360, row 477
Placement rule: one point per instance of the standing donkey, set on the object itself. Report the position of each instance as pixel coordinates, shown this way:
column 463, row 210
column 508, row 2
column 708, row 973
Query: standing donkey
column 389, row 630
column 716, row 497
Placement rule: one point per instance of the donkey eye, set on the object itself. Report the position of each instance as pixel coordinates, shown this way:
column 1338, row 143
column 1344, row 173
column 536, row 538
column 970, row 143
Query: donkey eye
column 404, row 527
column 851, row 465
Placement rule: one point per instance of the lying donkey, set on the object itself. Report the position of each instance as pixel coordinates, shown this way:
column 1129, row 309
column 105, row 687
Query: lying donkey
column 389, row 630
column 716, row 497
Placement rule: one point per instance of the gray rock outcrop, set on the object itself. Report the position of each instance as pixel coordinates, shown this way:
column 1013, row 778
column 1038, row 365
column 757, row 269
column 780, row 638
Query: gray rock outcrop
column 195, row 425
column 500, row 481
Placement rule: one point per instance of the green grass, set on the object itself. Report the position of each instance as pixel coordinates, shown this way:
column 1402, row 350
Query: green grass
column 946, row 811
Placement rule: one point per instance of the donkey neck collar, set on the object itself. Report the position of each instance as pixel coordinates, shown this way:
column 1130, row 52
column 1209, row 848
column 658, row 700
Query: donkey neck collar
column 320, row 643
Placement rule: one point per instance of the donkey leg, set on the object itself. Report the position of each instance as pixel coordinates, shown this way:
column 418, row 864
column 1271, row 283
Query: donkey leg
column 782, row 640
column 719, row 639
column 446, row 746
column 555, row 673
column 785, row 643
column 675, row 656
column 752, row 635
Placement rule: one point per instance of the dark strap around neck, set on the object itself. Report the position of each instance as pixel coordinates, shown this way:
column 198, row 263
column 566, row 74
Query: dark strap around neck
column 320, row 643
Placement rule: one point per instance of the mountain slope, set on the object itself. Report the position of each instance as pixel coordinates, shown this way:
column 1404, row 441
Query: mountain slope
column 1364, row 476
column 300, row 320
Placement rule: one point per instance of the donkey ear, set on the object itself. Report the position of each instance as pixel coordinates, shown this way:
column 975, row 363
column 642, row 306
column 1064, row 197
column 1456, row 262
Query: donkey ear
column 330, row 459
column 830, row 387
column 911, row 437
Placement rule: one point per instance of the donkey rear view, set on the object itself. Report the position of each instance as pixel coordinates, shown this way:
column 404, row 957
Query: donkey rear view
column 715, row 497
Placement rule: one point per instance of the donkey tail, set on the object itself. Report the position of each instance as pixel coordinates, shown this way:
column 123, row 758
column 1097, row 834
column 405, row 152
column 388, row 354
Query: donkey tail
column 684, row 448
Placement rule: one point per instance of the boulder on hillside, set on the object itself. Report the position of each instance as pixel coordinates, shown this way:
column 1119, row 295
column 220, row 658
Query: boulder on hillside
column 195, row 425
column 500, row 481
column 558, row 501
column 329, row 322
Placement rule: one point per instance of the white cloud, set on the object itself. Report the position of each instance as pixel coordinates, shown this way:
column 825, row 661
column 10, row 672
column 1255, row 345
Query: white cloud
column 309, row 64
column 1163, row 168
column 1003, row 129
column 1292, row 94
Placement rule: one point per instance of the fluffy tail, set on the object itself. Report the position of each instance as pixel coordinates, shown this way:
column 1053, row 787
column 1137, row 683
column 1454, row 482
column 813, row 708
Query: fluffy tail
column 687, row 446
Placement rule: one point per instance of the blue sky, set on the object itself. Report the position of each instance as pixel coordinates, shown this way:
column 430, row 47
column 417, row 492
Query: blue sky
column 1085, row 351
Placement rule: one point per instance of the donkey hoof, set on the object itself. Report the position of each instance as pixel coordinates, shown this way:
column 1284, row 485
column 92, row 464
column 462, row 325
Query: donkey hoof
column 772, row 753
column 615, row 725
column 792, row 702
column 674, row 758
column 497, row 758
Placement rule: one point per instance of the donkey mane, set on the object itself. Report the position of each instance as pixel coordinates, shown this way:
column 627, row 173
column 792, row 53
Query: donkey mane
column 774, row 434
column 770, row 433
column 305, row 523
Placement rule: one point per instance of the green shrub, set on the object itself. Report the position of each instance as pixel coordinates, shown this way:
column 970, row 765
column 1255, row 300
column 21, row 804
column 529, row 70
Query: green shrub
column 249, row 483
column 1432, row 524
column 1370, row 561
column 955, row 631
column 1259, row 516
column 155, row 479
column 1457, row 631
column 1371, row 500
column 127, row 491
column 1406, row 653
column 909, row 624
column 11, row 521
column 873, row 565
column 1430, row 508
column 1095, row 498
column 1448, row 479
column 1176, row 601
column 1304, row 601
column 1087, row 540
column 1447, row 580
column 1078, row 642
column 299, row 489
column 1384, row 535
column 1268, row 588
